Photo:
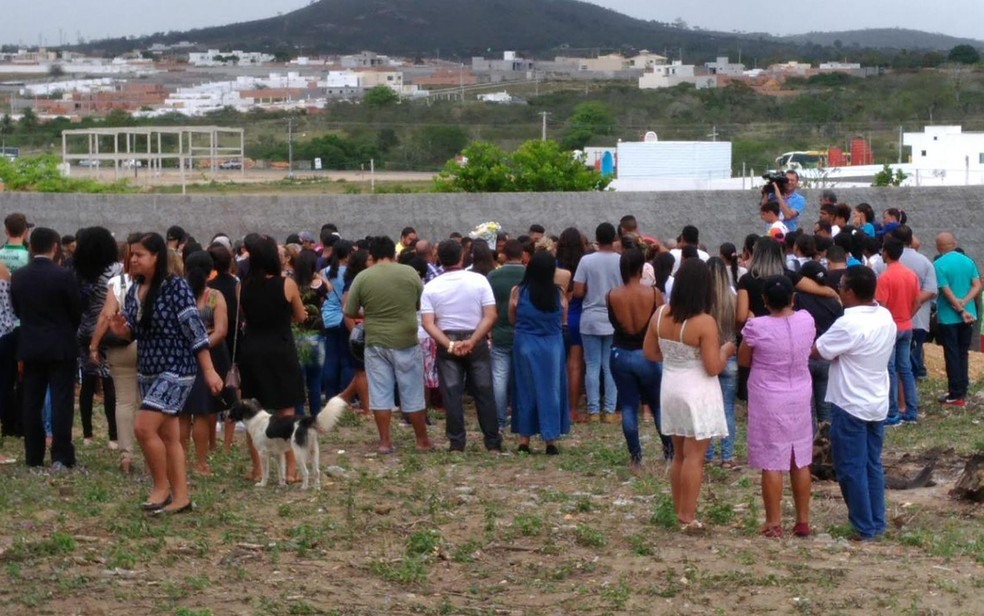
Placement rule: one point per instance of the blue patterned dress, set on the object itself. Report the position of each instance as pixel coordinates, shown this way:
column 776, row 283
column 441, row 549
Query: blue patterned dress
column 166, row 351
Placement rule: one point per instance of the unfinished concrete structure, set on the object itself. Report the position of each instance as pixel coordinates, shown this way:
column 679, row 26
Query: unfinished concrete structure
column 149, row 147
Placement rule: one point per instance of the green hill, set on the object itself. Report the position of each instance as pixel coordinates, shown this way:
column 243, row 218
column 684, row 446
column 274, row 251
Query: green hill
column 459, row 28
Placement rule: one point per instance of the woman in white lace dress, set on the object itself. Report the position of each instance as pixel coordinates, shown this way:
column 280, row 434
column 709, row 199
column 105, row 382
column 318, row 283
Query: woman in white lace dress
column 685, row 338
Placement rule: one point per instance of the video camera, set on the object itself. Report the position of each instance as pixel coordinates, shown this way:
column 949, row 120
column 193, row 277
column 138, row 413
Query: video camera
column 779, row 179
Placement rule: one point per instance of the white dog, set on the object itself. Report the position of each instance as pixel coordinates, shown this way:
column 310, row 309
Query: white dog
column 275, row 436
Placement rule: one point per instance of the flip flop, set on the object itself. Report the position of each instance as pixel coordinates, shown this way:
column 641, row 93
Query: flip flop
column 692, row 528
column 772, row 532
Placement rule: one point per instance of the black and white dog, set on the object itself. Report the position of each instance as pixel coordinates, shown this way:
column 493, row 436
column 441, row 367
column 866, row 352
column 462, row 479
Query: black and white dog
column 275, row 436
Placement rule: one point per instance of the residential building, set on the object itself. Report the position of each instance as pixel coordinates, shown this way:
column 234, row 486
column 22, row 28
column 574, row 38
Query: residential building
column 723, row 67
column 646, row 60
column 669, row 75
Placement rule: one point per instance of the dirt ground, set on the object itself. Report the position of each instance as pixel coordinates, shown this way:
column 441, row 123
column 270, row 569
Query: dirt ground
column 169, row 177
column 479, row 534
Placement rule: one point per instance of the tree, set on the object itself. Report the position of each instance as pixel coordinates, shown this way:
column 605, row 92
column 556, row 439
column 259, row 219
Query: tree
column 964, row 54
column 588, row 119
column 118, row 117
column 486, row 168
column 28, row 122
column 380, row 96
column 543, row 166
column 536, row 166
column 885, row 177
column 6, row 128
column 434, row 144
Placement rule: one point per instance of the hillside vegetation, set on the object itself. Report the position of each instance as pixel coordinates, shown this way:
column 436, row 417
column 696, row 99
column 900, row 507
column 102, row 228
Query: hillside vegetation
column 543, row 28
column 819, row 112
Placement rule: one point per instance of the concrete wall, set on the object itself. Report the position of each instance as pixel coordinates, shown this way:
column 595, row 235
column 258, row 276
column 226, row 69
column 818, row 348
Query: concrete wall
column 721, row 215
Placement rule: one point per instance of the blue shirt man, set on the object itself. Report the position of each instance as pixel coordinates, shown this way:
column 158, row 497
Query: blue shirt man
column 791, row 203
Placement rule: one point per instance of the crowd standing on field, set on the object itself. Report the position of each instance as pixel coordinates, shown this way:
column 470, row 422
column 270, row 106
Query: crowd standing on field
column 819, row 320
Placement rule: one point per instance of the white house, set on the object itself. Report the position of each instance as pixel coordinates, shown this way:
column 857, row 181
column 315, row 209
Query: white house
column 722, row 66
column 645, row 60
column 669, row 75
column 214, row 57
column 946, row 155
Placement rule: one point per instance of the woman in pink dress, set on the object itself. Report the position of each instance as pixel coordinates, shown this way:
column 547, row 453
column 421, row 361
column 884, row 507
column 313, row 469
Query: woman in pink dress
column 780, row 426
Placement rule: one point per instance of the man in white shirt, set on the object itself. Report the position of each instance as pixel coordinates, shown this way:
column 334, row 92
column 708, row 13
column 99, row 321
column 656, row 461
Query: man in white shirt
column 458, row 310
column 689, row 237
column 858, row 346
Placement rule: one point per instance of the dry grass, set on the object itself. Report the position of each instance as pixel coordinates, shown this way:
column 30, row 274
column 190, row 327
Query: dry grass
column 481, row 534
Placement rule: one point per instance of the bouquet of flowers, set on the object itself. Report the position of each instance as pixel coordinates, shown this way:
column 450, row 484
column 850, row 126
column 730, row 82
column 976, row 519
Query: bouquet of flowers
column 487, row 231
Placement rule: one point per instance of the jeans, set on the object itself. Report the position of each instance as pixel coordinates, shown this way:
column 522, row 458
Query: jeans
column 900, row 369
column 820, row 374
column 916, row 356
column 311, row 350
column 337, row 371
column 638, row 381
column 502, row 381
column 597, row 352
column 728, row 379
column 856, row 446
column 472, row 372
column 956, row 344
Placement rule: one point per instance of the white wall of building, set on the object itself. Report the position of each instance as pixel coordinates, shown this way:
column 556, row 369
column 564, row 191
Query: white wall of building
column 696, row 160
column 946, row 155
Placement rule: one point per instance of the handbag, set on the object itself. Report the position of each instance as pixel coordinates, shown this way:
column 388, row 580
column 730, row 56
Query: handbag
column 233, row 379
column 110, row 339
column 357, row 341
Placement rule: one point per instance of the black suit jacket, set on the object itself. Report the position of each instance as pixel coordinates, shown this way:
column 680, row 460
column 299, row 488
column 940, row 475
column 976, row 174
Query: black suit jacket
column 46, row 298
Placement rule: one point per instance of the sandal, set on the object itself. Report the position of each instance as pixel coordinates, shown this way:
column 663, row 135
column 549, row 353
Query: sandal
column 730, row 465
column 802, row 529
column 772, row 532
column 694, row 527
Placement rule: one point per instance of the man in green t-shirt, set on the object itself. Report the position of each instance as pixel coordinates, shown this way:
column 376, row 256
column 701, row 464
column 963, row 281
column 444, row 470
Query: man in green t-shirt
column 14, row 253
column 388, row 294
column 959, row 283
column 503, row 280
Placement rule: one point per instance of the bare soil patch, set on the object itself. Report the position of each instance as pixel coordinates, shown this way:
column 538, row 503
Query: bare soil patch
column 484, row 534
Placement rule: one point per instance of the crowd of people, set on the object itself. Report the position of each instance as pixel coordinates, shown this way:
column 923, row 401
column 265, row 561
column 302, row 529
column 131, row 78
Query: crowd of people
column 539, row 330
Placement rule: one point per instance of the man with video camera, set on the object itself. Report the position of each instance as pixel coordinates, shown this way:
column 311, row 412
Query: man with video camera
column 781, row 187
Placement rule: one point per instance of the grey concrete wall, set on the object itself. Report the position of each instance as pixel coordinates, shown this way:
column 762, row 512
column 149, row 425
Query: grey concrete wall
column 721, row 216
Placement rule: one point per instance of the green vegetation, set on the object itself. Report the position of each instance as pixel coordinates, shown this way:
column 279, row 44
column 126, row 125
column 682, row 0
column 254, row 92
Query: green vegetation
column 380, row 96
column 467, row 28
column 814, row 113
column 536, row 166
column 41, row 174
column 885, row 177
column 964, row 54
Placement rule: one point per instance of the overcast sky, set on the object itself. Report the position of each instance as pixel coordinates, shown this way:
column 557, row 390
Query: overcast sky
column 54, row 21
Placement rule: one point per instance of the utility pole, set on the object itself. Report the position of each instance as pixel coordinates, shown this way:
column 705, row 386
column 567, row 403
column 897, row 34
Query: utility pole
column 543, row 131
column 290, row 147
column 900, row 145
column 714, row 133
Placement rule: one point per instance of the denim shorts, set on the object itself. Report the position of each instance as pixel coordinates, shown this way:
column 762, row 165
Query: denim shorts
column 387, row 369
